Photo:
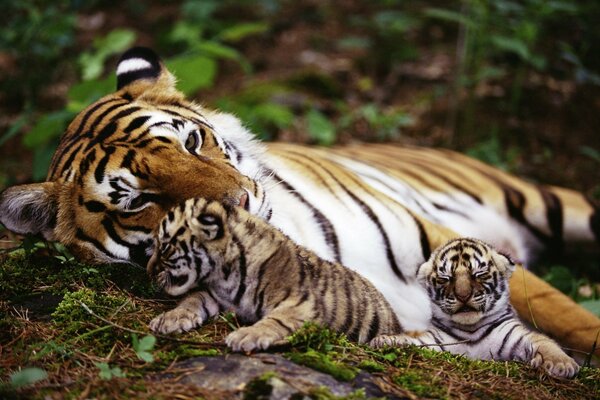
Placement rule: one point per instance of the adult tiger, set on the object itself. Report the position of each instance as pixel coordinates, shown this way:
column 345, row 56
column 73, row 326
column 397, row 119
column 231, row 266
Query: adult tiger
column 133, row 154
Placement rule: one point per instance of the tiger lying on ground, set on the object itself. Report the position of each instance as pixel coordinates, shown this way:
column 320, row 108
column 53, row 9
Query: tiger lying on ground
column 129, row 157
column 243, row 264
column 467, row 281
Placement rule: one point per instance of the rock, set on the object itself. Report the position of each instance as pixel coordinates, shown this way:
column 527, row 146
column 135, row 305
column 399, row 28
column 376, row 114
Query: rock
column 266, row 376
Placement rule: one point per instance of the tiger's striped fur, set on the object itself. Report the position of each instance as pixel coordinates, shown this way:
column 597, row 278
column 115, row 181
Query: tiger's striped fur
column 243, row 264
column 467, row 281
column 134, row 154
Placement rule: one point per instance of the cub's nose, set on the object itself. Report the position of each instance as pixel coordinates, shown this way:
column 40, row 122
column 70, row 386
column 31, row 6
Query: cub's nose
column 463, row 296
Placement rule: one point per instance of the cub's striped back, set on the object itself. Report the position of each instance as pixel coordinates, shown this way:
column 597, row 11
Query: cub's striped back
column 244, row 264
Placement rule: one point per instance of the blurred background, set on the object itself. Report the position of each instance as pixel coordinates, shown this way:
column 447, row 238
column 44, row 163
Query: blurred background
column 513, row 83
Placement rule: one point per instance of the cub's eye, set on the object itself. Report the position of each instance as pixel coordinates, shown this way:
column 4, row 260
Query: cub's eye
column 192, row 141
column 442, row 280
column 208, row 219
column 480, row 274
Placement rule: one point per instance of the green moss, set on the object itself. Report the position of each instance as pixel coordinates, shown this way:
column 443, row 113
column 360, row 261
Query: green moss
column 371, row 366
column 259, row 388
column 78, row 326
column 421, row 384
column 322, row 362
column 316, row 337
column 323, row 393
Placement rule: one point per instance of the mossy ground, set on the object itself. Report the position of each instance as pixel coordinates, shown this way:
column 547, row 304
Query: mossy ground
column 44, row 324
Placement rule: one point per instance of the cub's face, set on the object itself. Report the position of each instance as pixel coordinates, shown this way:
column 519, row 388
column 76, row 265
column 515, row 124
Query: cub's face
column 126, row 160
column 191, row 246
column 466, row 279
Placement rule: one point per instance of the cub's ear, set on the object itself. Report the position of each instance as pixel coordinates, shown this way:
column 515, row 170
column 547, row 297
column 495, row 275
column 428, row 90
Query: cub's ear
column 425, row 270
column 504, row 263
column 141, row 72
column 30, row 209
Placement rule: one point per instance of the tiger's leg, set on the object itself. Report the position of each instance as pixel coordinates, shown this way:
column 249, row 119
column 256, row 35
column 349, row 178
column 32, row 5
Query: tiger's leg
column 432, row 339
column 549, row 356
column 553, row 312
column 273, row 327
column 191, row 313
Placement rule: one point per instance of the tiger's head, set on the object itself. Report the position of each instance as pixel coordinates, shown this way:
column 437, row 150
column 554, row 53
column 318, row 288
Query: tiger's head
column 127, row 159
column 193, row 240
column 466, row 279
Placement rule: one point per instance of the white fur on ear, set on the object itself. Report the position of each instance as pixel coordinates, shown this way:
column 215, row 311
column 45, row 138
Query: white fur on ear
column 503, row 262
column 30, row 209
column 425, row 270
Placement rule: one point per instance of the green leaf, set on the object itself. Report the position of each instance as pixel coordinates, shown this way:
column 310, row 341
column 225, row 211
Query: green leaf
column 320, row 128
column 49, row 126
column 450, row 16
column 512, row 45
column 143, row 346
column 84, row 93
column 561, row 278
column 241, row 31
column 590, row 152
column 592, row 305
column 147, row 343
column 15, row 128
column 193, row 72
column 275, row 114
column 27, row 376
column 106, row 372
column 145, row 356
column 116, row 41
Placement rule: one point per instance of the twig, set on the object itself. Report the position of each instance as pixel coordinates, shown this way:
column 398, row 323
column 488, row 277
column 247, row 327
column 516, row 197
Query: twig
column 138, row 332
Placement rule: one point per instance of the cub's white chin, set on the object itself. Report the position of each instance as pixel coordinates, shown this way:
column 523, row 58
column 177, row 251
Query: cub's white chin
column 466, row 318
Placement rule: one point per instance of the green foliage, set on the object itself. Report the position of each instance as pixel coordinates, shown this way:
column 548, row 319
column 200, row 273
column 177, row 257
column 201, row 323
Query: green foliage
column 27, row 376
column 320, row 128
column 92, row 62
column 143, row 347
column 194, row 72
column 491, row 151
column 316, row 337
column 107, row 372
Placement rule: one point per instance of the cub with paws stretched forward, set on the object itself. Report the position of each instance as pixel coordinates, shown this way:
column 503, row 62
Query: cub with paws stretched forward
column 232, row 260
column 467, row 281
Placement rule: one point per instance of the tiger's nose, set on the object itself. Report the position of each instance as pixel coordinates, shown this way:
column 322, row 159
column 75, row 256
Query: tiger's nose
column 463, row 296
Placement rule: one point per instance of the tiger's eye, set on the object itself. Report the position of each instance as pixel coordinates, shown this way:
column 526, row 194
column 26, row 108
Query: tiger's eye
column 192, row 141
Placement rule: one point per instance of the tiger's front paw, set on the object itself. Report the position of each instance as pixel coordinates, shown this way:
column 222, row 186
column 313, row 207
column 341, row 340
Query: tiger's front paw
column 176, row 321
column 248, row 339
column 390, row 341
column 555, row 362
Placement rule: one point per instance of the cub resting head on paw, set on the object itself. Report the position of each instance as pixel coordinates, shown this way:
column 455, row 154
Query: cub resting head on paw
column 232, row 260
column 467, row 281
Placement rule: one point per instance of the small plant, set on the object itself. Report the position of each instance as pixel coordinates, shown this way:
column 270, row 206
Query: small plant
column 107, row 372
column 143, row 347
column 27, row 376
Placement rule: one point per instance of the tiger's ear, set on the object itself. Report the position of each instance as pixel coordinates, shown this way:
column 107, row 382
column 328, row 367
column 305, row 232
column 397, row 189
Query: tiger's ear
column 504, row 263
column 140, row 72
column 30, row 209
column 425, row 270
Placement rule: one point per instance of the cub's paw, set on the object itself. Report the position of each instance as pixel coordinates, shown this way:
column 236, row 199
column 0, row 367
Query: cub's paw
column 175, row 321
column 555, row 362
column 248, row 339
column 390, row 341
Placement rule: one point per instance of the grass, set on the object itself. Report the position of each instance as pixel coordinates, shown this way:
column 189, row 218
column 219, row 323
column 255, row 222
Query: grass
column 68, row 330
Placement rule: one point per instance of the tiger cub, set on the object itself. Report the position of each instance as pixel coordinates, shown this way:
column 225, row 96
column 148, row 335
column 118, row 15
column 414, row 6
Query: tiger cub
column 467, row 281
column 236, row 261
